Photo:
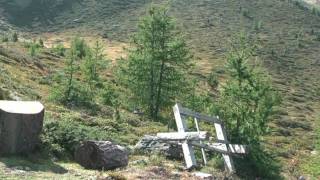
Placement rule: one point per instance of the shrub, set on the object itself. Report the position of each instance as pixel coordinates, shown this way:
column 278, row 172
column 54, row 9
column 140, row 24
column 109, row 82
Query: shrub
column 258, row 25
column 4, row 94
column 41, row 44
column 80, row 47
column 213, row 80
column 59, row 50
column 63, row 137
column 32, row 47
column 78, row 96
column 116, row 176
column 109, row 96
column 15, row 37
column 317, row 36
column 245, row 13
column 4, row 38
column 33, row 50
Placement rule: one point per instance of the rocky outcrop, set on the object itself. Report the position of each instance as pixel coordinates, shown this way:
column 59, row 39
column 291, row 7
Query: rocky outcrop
column 150, row 144
column 20, row 126
column 101, row 155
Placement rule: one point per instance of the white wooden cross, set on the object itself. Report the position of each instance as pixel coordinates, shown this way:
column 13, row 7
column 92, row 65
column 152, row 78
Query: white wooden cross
column 190, row 139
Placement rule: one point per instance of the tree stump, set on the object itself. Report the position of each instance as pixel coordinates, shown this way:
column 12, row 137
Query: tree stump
column 20, row 126
column 101, row 155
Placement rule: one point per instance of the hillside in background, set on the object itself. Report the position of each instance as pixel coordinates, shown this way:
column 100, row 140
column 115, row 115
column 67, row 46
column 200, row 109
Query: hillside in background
column 288, row 35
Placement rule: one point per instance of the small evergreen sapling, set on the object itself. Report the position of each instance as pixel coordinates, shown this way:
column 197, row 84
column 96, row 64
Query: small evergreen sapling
column 247, row 100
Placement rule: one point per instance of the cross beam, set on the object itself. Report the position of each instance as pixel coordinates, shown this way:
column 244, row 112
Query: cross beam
column 186, row 136
column 190, row 139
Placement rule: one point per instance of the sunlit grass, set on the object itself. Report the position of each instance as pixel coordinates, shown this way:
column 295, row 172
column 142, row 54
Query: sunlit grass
column 311, row 165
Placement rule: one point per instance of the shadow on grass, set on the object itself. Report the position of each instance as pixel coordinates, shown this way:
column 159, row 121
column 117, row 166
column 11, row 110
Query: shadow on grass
column 258, row 165
column 32, row 162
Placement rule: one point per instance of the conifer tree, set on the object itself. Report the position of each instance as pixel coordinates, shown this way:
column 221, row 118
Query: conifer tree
column 247, row 99
column 154, row 69
column 68, row 91
column 92, row 65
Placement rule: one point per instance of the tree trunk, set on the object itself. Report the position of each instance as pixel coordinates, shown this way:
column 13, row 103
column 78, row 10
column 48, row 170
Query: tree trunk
column 20, row 126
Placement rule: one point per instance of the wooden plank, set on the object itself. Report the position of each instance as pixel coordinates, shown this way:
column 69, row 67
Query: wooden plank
column 204, row 157
column 221, row 135
column 238, row 149
column 200, row 117
column 220, row 148
column 210, row 148
column 187, row 149
column 178, row 136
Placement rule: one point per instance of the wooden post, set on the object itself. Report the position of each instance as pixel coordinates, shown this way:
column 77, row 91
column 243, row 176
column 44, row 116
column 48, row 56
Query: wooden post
column 202, row 149
column 221, row 136
column 189, row 139
column 187, row 149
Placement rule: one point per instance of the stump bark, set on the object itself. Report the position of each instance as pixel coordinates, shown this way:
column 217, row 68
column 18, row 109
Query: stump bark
column 101, row 155
column 20, row 126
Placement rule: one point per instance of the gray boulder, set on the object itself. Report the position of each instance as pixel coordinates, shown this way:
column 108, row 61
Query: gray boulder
column 101, row 155
column 149, row 144
column 20, row 126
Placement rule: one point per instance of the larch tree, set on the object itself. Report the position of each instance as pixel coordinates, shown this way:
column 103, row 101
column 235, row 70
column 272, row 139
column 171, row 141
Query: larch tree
column 155, row 63
column 247, row 99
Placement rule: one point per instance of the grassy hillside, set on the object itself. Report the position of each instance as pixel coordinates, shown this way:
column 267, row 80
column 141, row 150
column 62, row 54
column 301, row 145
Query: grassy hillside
column 288, row 34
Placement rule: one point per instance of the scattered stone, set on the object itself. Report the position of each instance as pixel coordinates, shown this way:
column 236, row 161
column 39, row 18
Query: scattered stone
column 314, row 152
column 302, row 178
column 101, row 155
column 202, row 175
column 20, row 125
column 176, row 174
column 148, row 144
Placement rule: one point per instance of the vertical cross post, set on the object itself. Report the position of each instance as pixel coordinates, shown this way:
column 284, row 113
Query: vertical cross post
column 202, row 149
column 187, row 149
column 221, row 136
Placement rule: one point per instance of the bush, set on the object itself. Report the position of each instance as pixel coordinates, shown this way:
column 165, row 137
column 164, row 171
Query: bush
column 213, row 80
column 32, row 47
column 317, row 36
column 33, row 50
column 59, row 50
column 109, row 96
column 258, row 25
column 4, row 38
column 61, row 138
column 4, row 95
column 15, row 37
column 79, row 96
column 80, row 46
column 245, row 13
column 41, row 44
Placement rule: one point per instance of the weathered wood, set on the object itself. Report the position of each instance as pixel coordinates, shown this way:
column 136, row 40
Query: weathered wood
column 221, row 135
column 200, row 117
column 188, row 151
column 20, row 125
column 204, row 158
column 219, row 147
column 188, row 141
column 238, row 149
column 178, row 136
